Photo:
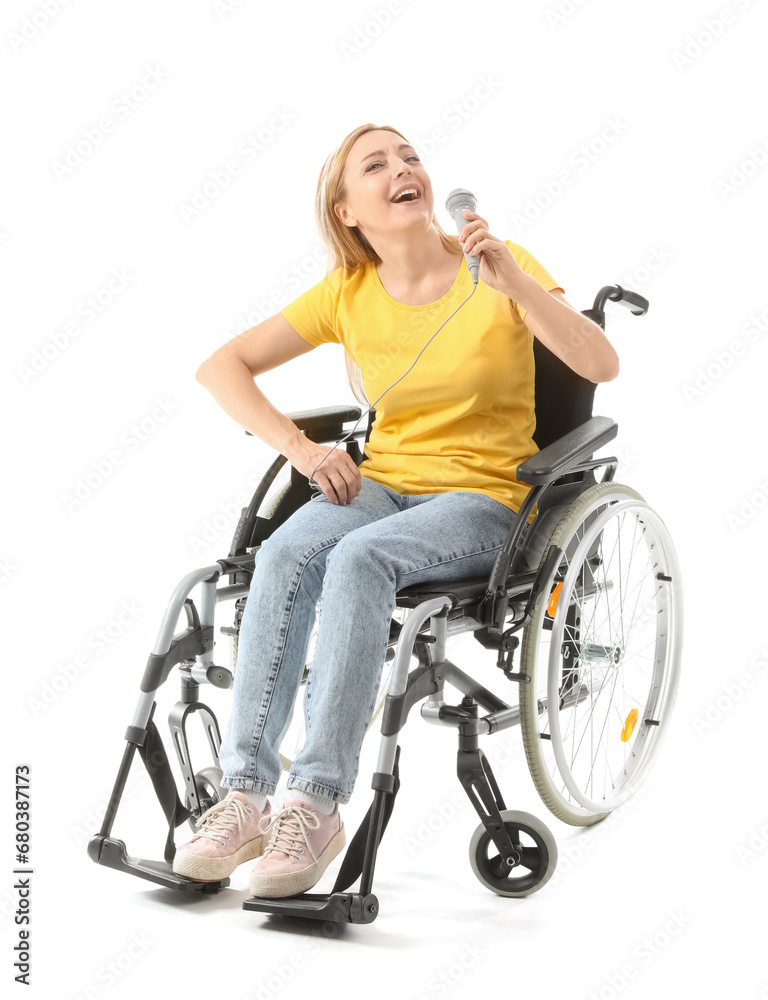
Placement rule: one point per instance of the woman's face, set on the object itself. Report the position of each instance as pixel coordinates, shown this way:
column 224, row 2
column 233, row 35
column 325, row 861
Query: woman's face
column 379, row 165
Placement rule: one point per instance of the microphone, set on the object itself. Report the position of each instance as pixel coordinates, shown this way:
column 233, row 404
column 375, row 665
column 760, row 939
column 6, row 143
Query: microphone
column 458, row 201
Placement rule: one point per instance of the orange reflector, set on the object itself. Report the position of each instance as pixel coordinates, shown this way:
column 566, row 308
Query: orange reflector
column 629, row 725
column 553, row 599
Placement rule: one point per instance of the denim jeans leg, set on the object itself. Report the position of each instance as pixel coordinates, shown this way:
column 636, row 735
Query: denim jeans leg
column 435, row 537
column 276, row 626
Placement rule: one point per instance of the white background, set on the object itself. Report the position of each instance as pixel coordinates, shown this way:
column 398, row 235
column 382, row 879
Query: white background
column 499, row 98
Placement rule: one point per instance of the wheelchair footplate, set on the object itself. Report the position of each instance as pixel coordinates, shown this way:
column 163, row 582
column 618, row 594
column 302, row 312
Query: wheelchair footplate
column 339, row 907
column 112, row 853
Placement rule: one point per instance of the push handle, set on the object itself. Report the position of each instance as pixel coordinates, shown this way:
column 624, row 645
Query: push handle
column 634, row 302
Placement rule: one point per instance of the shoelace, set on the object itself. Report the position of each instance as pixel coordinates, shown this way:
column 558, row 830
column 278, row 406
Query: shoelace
column 229, row 814
column 288, row 825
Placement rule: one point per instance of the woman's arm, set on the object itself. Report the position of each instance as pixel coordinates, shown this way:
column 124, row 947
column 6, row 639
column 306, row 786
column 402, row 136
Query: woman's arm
column 576, row 340
column 228, row 374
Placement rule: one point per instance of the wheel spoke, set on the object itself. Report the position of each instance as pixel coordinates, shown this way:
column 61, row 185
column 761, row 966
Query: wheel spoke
column 593, row 751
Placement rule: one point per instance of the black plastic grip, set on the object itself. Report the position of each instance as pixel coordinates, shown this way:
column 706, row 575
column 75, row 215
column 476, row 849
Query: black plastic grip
column 634, row 302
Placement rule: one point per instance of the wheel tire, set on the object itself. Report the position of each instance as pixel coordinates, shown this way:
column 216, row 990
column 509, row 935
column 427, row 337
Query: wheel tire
column 543, row 856
column 546, row 772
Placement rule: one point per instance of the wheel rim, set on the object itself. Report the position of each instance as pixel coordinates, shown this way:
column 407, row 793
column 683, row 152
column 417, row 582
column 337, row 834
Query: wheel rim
column 622, row 644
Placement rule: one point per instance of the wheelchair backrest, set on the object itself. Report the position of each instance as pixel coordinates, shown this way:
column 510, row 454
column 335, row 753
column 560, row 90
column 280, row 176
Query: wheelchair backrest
column 563, row 398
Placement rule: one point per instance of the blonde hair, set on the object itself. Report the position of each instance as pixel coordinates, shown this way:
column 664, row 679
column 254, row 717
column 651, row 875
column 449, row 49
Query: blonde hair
column 346, row 246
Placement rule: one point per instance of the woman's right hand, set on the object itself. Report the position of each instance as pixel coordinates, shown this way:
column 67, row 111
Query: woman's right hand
column 338, row 477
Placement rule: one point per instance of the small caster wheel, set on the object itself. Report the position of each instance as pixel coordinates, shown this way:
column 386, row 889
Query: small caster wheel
column 532, row 864
column 209, row 792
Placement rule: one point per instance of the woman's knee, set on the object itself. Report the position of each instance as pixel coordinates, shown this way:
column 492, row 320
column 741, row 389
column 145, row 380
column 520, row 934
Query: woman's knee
column 282, row 558
column 357, row 554
column 279, row 560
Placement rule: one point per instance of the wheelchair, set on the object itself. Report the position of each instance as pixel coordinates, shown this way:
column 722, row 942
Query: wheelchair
column 592, row 585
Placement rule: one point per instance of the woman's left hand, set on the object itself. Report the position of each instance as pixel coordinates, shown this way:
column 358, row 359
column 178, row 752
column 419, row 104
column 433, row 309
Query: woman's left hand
column 498, row 268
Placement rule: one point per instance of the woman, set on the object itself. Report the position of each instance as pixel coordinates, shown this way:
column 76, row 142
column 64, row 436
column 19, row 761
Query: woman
column 433, row 500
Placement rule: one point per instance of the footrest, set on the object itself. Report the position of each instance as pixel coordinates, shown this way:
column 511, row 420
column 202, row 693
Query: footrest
column 112, row 852
column 341, row 907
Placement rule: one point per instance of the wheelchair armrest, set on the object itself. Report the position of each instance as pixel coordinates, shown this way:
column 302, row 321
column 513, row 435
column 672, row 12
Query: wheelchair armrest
column 324, row 423
column 557, row 458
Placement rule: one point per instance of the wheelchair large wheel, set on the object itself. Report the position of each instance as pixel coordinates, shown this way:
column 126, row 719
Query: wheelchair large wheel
column 295, row 734
column 603, row 654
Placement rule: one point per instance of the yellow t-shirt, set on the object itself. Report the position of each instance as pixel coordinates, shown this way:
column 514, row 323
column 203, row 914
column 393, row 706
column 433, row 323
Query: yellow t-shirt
column 463, row 417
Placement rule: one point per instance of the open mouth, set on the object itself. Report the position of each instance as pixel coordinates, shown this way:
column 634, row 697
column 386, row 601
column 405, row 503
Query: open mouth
column 408, row 195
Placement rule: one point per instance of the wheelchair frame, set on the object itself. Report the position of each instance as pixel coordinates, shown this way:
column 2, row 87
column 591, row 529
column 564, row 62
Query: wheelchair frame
column 561, row 471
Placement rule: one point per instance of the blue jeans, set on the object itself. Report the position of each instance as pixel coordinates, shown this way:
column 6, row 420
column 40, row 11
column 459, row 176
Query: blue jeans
column 359, row 555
